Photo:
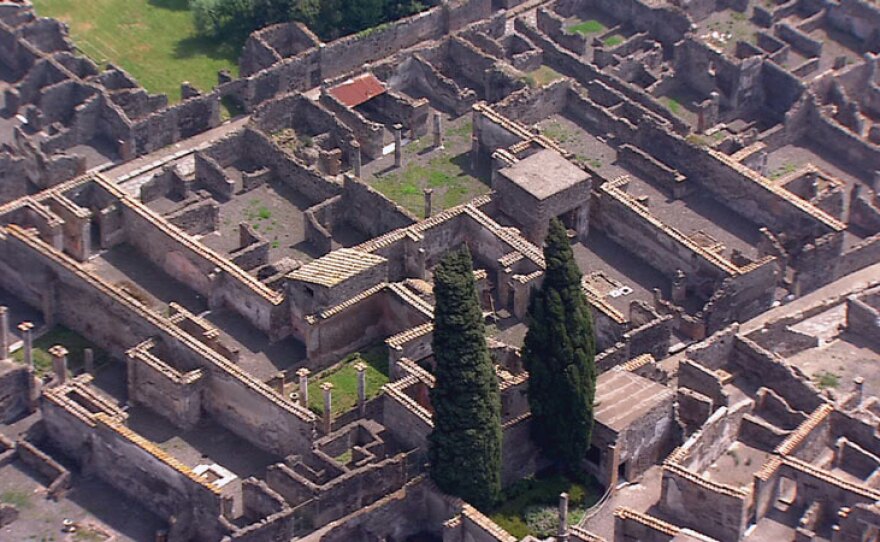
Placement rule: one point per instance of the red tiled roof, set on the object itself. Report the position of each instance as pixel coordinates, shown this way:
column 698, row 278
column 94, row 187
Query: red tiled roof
column 359, row 90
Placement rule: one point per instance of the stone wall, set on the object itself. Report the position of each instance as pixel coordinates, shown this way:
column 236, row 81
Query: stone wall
column 198, row 219
column 714, row 438
column 716, row 511
column 170, row 393
column 648, row 440
column 14, row 390
column 288, row 169
column 695, row 377
column 862, row 319
column 520, row 456
column 370, row 211
column 762, row 366
column 138, row 469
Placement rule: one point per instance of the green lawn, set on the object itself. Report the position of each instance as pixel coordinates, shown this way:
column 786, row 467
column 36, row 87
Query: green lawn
column 343, row 376
column 444, row 172
column 72, row 341
column 154, row 40
column 783, row 170
column 530, row 506
column 673, row 105
column 542, row 76
column 826, row 379
column 558, row 133
column 591, row 26
column 614, row 40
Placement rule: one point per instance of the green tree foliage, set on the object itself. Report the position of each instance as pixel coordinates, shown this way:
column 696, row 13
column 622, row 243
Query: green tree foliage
column 465, row 446
column 235, row 19
column 559, row 354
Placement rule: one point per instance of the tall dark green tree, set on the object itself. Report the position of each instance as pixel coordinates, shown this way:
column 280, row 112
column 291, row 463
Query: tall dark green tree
column 465, row 447
column 559, row 354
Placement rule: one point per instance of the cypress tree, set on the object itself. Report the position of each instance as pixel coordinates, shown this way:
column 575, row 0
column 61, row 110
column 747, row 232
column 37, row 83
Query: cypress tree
column 559, row 354
column 464, row 448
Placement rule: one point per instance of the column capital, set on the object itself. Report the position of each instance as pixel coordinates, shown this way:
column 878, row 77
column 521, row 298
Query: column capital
column 58, row 351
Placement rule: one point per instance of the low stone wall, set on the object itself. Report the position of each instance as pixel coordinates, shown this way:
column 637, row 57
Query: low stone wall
column 716, row 510
column 211, row 175
column 197, row 219
column 862, row 319
column 694, row 376
column 757, row 363
column 58, row 476
column 552, row 25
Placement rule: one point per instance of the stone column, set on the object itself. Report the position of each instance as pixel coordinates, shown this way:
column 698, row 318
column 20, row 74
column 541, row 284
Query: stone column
column 429, row 202
column 679, row 287
column 26, row 329
column 303, row 375
column 859, row 389
column 59, row 363
column 438, row 130
column 89, row 360
column 356, row 159
column 475, row 152
column 562, row 536
column 33, row 386
column 279, row 383
column 4, row 333
column 398, row 145
column 361, row 369
column 327, row 388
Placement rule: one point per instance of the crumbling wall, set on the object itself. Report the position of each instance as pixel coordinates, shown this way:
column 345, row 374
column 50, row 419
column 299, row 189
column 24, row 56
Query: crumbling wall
column 140, row 470
column 762, row 366
column 715, row 510
column 14, row 390
column 165, row 390
column 288, row 169
column 371, row 212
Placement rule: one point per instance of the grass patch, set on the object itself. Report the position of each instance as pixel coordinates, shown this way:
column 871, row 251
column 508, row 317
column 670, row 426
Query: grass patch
column 672, row 105
column 826, row 379
column 343, row 376
column 19, row 499
column 529, row 507
column 461, row 131
column 613, row 41
column 443, row 172
column 72, row 341
column 558, row 132
column 590, row 26
column 542, row 76
column 256, row 211
column 783, row 170
column 153, row 40
column 89, row 534
column 344, row 457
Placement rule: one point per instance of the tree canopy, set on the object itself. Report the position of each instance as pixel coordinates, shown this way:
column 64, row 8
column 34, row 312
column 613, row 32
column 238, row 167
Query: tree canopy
column 559, row 354
column 329, row 19
column 465, row 445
